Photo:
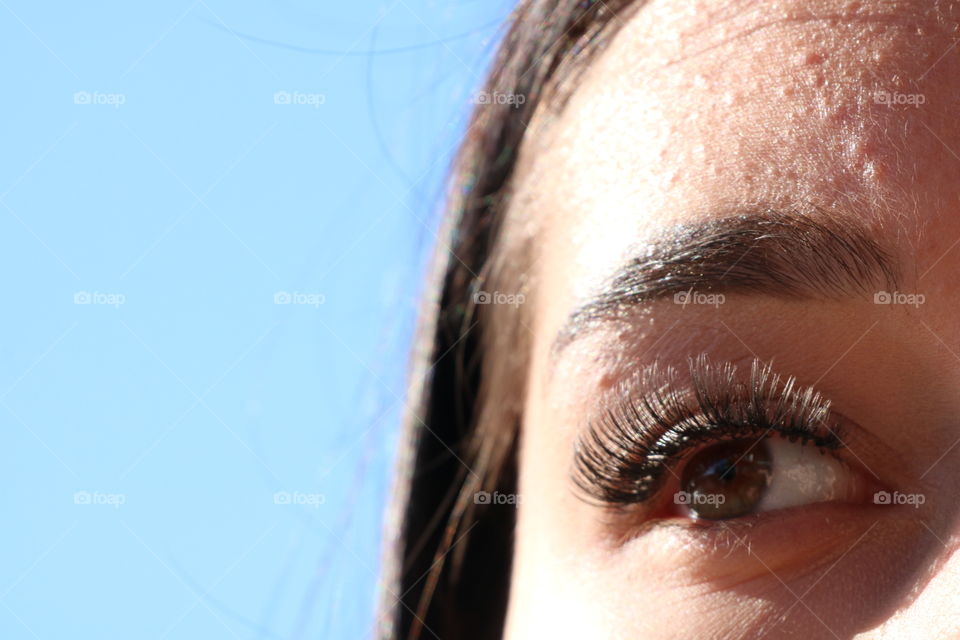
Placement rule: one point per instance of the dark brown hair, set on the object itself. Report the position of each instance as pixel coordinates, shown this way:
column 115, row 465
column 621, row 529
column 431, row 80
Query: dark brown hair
column 447, row 562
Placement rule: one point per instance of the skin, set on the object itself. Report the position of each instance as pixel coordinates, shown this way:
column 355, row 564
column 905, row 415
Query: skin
column 701, row 108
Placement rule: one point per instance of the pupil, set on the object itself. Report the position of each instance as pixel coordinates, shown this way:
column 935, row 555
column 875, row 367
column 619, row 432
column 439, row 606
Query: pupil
column 727, row 479
column 727, row 469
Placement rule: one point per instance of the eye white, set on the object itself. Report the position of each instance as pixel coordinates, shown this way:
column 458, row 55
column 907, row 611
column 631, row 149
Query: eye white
column 802, row 474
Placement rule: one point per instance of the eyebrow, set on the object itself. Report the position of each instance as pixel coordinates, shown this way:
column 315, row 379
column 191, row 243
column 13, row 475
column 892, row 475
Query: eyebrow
column 770, row 253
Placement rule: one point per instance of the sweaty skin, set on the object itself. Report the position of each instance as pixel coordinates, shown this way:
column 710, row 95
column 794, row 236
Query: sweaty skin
column 705, row 109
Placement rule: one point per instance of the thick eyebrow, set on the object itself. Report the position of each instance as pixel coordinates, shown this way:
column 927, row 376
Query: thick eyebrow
column 763, row 253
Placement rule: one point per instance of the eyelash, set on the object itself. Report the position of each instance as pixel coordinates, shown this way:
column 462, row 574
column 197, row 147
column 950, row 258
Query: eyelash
column 654, row 422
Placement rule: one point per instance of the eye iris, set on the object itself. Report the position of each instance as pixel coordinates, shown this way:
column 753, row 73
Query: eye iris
column 727, row 479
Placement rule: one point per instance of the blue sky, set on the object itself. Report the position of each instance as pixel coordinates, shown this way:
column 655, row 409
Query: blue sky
column 214, row 218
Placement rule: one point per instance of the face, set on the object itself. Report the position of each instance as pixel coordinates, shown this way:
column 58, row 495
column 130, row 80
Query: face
column 742, row 413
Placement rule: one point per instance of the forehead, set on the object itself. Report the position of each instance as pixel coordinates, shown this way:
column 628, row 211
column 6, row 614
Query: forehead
column 700, row 108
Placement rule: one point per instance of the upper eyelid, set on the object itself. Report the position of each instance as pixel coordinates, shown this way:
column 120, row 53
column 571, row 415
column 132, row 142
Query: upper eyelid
column 618, row 449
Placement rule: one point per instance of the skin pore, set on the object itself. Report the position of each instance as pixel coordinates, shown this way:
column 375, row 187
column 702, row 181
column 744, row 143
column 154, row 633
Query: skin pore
column 701, row 111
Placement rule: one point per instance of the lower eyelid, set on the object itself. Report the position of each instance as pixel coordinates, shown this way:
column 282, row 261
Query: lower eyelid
column 725, row 552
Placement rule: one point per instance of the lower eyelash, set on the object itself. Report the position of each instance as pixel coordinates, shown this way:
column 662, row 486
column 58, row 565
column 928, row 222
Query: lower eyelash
column 654, row 421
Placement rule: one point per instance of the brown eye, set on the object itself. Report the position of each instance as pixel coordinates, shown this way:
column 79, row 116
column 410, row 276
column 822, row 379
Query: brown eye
column 726, row 480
